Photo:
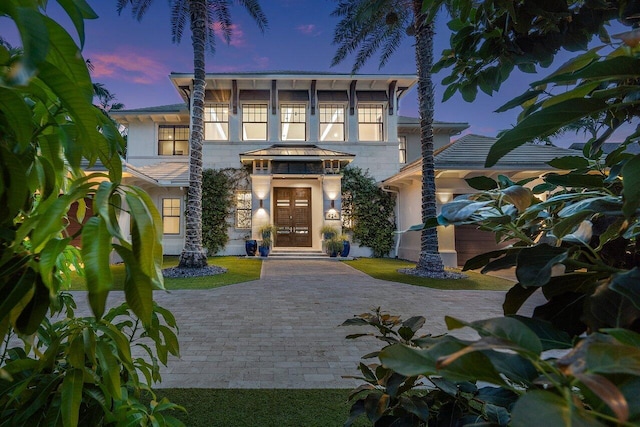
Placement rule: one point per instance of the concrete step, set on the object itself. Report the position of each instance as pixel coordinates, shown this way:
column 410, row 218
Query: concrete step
column 303, row 255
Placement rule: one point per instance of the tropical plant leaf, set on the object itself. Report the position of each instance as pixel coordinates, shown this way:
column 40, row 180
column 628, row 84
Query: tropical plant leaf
column 569, row 162
column 549, row 409
column 631, row 190
column 482, row 183
column 608, row 393
column 628, row 285
column 516, row 296
column 535, row 263
column 96, row 248
column 71, row 398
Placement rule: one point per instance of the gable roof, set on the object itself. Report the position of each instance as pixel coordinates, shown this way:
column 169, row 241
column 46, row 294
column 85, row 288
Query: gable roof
column 608, row 147
column 470, row 152
column 170, row 108
column 170, row 174
column 412, row 125
column 295, row 152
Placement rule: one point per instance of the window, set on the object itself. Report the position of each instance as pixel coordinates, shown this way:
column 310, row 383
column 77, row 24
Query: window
column 173, row 140
column 402, row 148
column 171, row 216
column 243, row 209
column 332, row 122
column 370, row 122
column 293, row 119
column 331, row 166
column 254, row 122
column 216, row 122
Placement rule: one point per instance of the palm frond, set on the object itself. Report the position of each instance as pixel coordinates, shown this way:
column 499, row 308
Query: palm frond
column 140, row 8
column 255, row 11
column 222, row 16
column 179, row 18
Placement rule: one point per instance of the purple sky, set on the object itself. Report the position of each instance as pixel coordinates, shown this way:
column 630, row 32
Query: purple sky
column 133, row 59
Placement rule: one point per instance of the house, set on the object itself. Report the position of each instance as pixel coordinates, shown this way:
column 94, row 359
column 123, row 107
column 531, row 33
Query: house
column 454, row 162
column 294, row 132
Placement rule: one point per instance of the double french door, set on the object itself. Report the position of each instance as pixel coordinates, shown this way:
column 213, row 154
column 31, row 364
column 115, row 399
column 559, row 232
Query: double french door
column 292, row 217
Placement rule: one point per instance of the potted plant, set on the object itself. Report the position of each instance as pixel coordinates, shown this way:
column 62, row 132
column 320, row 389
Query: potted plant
column 334, row 247
column 265, row 245
column 328, row 232
column 346, row 245
column 267, row 231
column 250, row 245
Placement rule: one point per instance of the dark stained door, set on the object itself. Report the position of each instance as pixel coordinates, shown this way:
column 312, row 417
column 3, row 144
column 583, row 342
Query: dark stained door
column 293, row 217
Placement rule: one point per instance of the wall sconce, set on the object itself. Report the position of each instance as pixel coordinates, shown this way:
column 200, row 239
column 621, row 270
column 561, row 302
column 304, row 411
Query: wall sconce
column 333, row 204
column 261, row 204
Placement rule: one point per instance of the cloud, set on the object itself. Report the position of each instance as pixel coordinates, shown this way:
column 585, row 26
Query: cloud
column 237, row 35
column 127, row 64
column 308, row 29
column 258, row 63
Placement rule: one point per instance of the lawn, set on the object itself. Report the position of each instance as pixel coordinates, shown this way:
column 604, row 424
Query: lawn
column 265, row 407
column 239, row 269
column 387, row 269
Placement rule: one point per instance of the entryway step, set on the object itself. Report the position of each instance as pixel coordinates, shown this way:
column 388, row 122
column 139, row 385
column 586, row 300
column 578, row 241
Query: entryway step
column 303, row 255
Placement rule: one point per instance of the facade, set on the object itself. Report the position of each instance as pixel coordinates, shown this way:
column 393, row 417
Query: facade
column 454, row 162
column 293, row 132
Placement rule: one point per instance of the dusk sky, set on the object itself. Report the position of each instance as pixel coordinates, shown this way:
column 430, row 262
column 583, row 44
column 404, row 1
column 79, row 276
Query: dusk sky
column 133, row 59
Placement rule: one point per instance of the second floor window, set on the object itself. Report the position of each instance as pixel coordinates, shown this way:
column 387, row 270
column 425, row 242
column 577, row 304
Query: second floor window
column 254, row 122
column 331, row 122
column 173, row 140
column 370, row 122
column 216, row 122
column 293, row 119
column 402, row 148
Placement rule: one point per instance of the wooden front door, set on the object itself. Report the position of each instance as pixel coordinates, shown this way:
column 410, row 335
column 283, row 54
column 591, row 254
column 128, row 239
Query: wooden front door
column 292, row 217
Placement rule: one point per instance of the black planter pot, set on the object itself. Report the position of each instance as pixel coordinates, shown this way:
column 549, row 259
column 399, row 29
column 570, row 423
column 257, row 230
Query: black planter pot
column 251, row 246
column 346, row 247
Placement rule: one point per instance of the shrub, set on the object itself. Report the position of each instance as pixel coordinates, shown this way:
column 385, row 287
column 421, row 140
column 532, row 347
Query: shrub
column 368, row 211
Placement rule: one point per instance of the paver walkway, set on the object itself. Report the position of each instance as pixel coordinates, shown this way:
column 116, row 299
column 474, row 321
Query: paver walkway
column 282, row 331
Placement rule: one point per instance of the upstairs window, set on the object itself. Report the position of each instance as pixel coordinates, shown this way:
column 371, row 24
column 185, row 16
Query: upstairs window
column 243, row 209
column 370, row 122
column 331, row 122
column 293, row 119
column 254, row 122
column 171, row 216
column 216, row 122
column 173, row 140
column 402, row 149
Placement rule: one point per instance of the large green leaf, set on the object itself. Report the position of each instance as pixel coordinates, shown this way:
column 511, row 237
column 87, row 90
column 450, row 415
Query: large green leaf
column 549, row 409
column 535, row 263
column 34, row 35
column 32, row 314
column 71, row 398
column 628, row 285
column 96, row 249
column 460, row 210
column 550, row 337
column 48, row 259
column 543, row 123
column 631, row 191
column 615, row 68
column 138, row 287
column 78, row 11
column 606, row 205
column 516, row 296
column 13, row 293
column 17, row 115
column 482, row 183
column 110, row 369
column 612, row 358
column 569, row 162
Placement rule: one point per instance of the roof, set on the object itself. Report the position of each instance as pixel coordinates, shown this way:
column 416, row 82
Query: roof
column 608, row 147
column 413, row 125
column 160, row 109
column 470, row 152
column 164, row 173
column 295, row 152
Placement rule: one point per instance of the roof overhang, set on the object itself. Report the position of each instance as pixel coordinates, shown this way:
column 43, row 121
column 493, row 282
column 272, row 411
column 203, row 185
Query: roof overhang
column 295, row 153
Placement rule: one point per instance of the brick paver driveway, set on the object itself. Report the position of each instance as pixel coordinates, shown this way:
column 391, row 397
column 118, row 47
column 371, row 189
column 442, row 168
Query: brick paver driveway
column 282, row 331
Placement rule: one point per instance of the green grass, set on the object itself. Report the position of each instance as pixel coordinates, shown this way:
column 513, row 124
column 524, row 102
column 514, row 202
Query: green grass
column 239, row 269
column 264, row 408
column 387, row 269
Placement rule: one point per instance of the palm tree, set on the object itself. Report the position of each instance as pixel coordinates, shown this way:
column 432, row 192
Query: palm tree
column 202, row 15
column 367, row 27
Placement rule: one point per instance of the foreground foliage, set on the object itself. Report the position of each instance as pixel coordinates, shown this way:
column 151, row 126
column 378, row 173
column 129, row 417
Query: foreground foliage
column 575, row 361
column 75, row 369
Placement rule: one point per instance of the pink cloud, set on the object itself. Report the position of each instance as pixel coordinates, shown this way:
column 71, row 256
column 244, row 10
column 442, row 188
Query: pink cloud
column 128, row 65
column 237, row 35
column 308, row 29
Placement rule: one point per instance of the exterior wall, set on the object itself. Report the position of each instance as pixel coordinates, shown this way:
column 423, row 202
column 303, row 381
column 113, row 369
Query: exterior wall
column 172, row 243
column 414, row 151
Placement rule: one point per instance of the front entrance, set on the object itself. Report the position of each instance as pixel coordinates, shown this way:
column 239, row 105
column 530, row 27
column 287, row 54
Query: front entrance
column 292, row 217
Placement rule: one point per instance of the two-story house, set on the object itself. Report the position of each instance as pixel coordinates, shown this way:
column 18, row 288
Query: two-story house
column 295, row 131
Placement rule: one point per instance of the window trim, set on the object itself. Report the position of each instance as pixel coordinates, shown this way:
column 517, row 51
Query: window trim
column 214, row 105
column 254, row 104
column 402, row 149
column 344, row 121
column 305, row 107
column 382, row 105
column 179, row 216
column 173, row 140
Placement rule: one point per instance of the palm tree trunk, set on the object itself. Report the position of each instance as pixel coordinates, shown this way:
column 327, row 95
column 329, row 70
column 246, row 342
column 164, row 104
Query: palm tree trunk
column 193, row 255
column 430, row 260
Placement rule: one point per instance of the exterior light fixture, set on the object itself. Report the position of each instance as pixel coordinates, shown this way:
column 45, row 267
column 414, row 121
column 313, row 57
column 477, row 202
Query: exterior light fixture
column 261, row 204
column 333, row 204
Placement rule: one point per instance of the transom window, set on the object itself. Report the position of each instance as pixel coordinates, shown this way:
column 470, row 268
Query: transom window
column 173, row 140
column 216, row 122
column 254, row 122
column 402, row 148
column 370, row 122
column 293, row 119
column 331, row 122
column 243, row 209
column 171, row 216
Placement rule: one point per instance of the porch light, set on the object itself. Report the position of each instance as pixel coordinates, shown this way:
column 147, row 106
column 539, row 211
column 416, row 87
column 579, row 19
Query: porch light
column 333, row 204
column 261, row 204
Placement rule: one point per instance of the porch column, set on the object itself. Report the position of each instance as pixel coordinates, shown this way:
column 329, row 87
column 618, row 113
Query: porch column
column 332, row 200
column 446, row 235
